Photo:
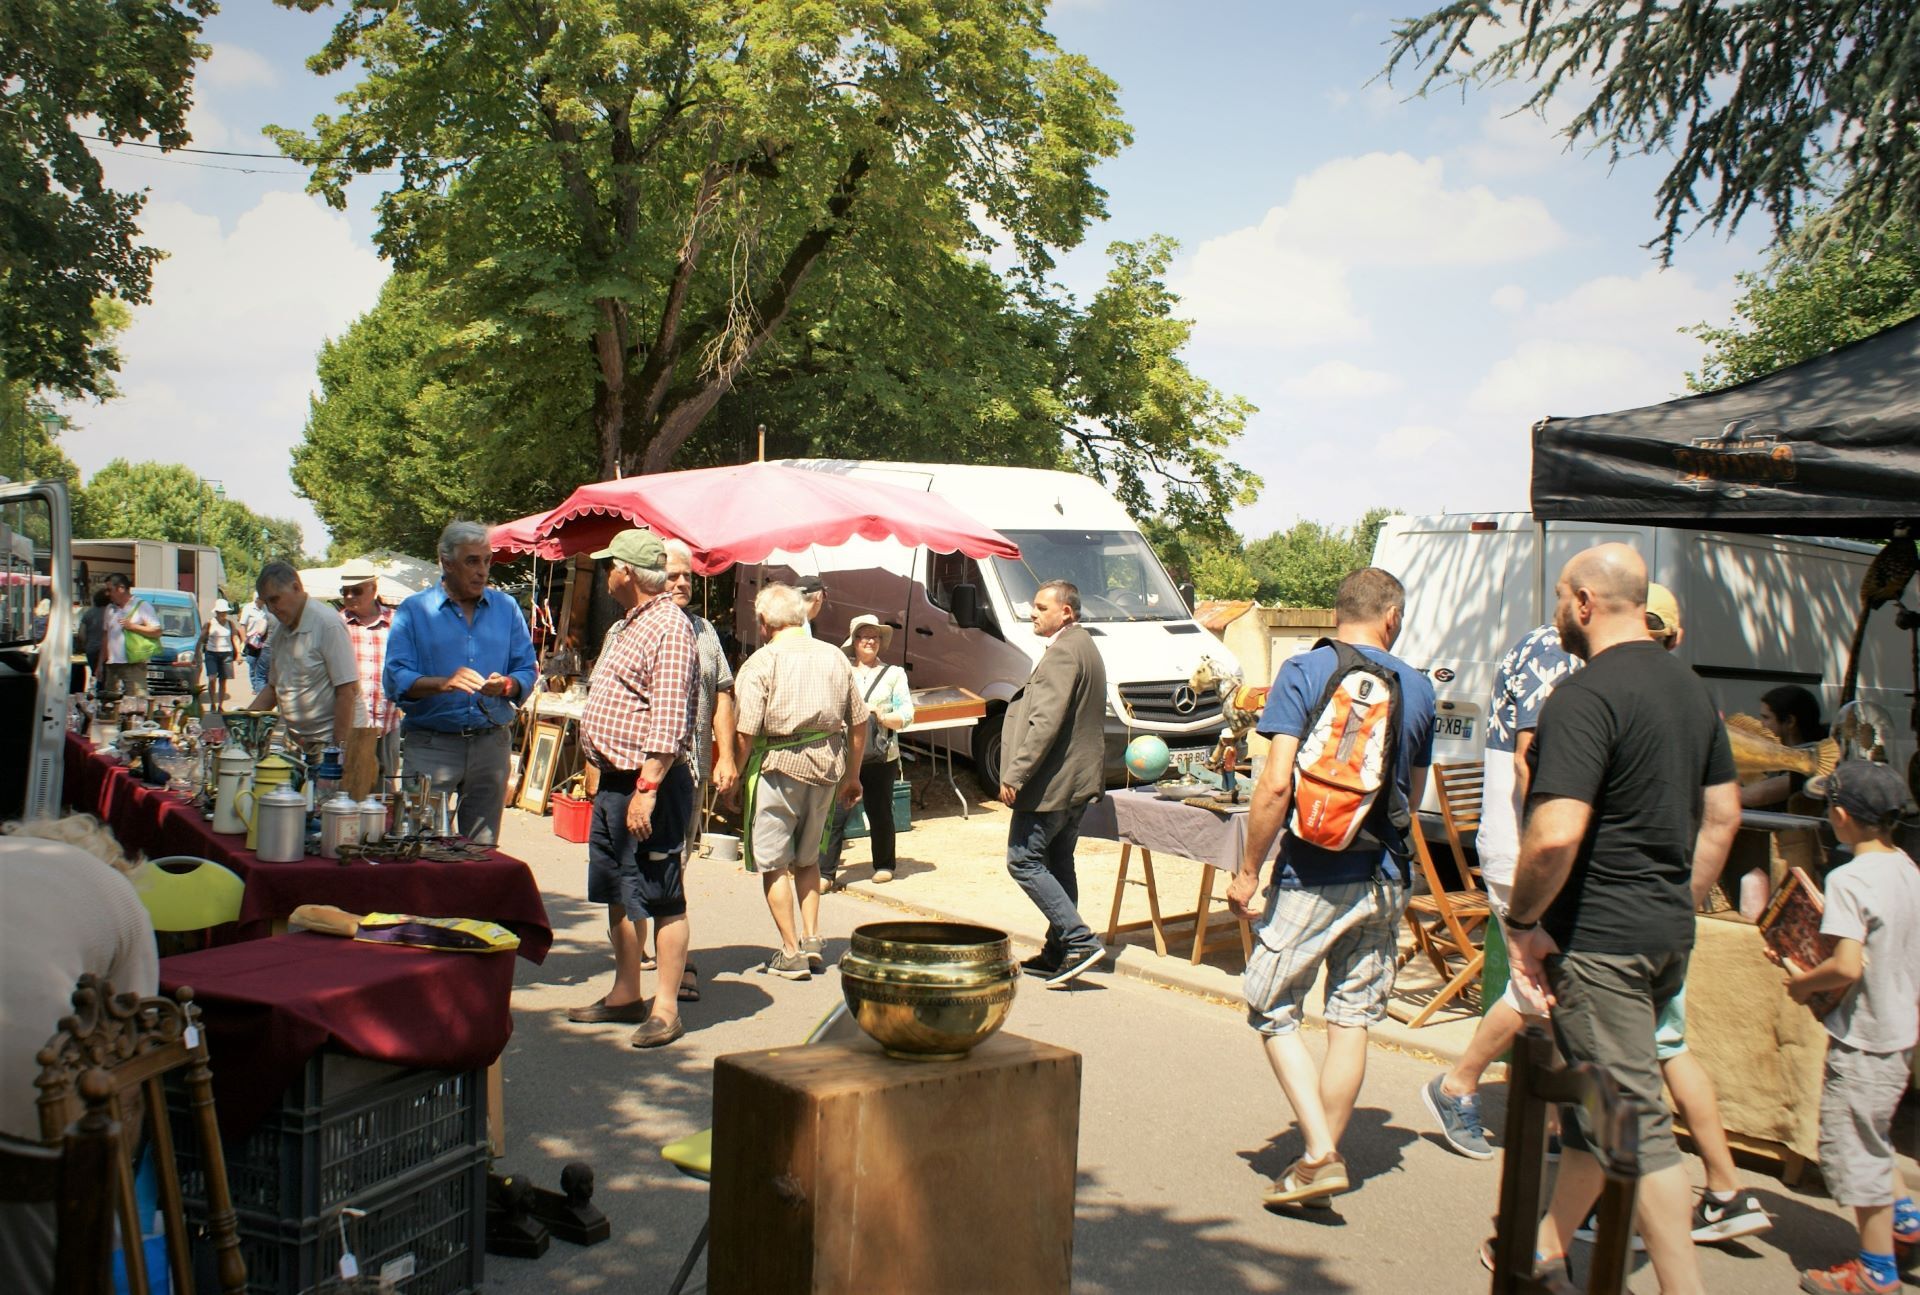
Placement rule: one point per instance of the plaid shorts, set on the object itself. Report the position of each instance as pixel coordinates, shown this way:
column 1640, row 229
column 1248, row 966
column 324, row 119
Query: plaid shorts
column 1352, row 929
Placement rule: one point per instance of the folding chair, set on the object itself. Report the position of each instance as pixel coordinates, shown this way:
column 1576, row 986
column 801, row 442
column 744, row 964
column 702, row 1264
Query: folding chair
column 1459, row 788
column 75, row 1177
column 693, row 1155
column 1534, row 1082
column 1449, row 928
column 137, row 1042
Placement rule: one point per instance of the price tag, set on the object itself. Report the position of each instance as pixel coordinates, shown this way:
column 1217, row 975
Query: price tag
column 191, row 1037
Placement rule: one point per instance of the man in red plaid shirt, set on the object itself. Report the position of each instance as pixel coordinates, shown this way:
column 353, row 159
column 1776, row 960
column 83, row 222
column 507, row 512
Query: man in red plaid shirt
column 637, row 729
column 368, row 622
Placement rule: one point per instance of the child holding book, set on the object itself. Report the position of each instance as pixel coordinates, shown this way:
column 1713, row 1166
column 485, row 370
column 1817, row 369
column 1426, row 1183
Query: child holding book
column 1873, row 917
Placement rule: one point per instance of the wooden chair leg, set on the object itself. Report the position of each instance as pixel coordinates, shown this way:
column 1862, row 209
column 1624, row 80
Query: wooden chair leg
column 1451, row 991
column 1119, row 893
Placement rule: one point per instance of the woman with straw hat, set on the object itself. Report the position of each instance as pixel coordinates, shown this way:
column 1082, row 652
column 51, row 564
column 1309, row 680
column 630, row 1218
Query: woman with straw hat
column 884, row 688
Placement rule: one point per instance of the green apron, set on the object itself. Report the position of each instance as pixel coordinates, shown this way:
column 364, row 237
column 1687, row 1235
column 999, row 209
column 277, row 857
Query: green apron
column 751, row 779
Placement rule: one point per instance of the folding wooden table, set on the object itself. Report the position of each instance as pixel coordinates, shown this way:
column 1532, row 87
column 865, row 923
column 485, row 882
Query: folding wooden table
column 1144, row 821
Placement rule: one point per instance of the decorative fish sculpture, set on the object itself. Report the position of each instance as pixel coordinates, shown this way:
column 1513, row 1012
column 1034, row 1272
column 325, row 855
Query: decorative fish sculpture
column 1755, row 751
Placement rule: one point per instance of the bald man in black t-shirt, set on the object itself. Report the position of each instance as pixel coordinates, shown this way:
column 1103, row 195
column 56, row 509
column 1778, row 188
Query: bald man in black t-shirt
column 1631, row 810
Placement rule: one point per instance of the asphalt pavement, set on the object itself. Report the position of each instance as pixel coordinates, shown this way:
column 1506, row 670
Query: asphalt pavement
column 1182, row 1123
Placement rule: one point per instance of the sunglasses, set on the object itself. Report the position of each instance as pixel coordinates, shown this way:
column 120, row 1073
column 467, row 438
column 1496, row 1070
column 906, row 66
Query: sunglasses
column 354, row 591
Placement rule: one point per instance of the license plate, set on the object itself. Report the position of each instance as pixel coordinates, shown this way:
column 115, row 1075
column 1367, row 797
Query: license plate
column 1188, row 761
column 1458, row 728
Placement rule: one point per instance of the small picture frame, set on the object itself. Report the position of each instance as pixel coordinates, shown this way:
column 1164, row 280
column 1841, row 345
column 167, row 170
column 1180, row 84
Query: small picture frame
column 536, row 783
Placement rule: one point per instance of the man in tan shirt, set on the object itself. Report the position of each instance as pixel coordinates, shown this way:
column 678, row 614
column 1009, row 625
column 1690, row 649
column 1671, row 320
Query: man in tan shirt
column 802, row 732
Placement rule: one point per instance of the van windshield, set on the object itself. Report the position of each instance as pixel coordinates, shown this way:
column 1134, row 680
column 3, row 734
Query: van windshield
column 177, row 622
column 1118, row 576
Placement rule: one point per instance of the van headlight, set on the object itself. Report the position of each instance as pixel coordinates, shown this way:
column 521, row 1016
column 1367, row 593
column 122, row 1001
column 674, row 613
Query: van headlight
column 183, row 658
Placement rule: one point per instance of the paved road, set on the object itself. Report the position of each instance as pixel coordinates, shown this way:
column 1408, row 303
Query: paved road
column 1181, row 1126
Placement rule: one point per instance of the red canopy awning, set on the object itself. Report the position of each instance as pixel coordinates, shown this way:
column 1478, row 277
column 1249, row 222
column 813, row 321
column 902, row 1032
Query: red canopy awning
column 741, row 514
column 511, row 539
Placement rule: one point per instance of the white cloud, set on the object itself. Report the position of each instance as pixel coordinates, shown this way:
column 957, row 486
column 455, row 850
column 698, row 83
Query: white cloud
column 1284, row 281
column 1514, row 142
column 1396, row 210
column 1341, row 380
column 1613, row 342
column 1510, row 298
column 218, row 367
column 235, row 67
column 1415, row 440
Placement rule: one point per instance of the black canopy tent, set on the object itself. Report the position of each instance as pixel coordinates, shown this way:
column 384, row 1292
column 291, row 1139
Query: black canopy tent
column 1829, row 446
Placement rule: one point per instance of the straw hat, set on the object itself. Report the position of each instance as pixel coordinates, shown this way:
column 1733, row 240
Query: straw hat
column 222, row 605
column 358, row 571
column 865, row 621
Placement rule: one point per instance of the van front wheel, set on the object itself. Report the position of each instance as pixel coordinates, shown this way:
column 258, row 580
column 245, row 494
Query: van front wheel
column 986, row 753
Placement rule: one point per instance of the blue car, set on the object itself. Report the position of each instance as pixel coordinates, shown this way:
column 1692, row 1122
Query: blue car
column 175, row 668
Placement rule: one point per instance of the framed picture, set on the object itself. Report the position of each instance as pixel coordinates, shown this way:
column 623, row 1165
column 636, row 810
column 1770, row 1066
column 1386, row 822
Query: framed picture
column 537, row 781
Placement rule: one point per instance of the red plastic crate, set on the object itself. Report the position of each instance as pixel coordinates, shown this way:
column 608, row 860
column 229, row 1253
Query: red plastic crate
column 570, row 817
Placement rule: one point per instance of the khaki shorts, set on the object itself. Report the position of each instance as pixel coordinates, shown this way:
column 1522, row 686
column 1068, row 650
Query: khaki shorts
column 1856, row 1123
column 789, row 820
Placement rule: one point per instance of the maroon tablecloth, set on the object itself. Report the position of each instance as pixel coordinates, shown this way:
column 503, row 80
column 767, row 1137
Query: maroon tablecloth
column 270, row 1004
column 498, row 888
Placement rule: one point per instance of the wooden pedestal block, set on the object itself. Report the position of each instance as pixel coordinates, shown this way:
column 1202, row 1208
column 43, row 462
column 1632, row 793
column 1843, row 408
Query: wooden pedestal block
column 839, row 1168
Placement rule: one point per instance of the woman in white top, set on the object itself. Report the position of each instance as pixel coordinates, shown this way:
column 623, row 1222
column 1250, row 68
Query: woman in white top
column 884, row 688
column 216, row 643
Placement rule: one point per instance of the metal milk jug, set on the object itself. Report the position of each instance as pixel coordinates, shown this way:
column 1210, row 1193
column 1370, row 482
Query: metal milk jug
column 270, row 772
column 373, row 820
column 339, row 825
column 233, row 774
column 280, row 826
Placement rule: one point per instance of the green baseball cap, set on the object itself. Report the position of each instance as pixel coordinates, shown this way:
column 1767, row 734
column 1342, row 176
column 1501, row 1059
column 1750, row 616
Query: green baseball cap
column 638, row 547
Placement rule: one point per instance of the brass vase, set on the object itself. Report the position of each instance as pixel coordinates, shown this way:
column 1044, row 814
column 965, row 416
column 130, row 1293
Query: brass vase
column 929, row 991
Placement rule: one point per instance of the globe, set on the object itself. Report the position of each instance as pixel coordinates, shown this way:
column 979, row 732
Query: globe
column 1148, row 758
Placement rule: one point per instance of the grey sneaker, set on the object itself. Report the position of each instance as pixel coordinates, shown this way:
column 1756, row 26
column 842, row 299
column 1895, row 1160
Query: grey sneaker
column 1459, row 1120
column 790, row 966
column 815, row 949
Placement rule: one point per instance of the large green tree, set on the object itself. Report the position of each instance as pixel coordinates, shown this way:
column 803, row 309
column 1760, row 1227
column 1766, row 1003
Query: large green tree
column 71, row 70
column 1303, row 565
column 1815, row 295
column 164, row 501
column 1754, row 102
column 663, row 184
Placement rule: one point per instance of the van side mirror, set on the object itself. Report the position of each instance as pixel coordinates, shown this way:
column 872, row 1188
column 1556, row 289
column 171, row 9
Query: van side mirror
column 1187, row 594
column 965, row 606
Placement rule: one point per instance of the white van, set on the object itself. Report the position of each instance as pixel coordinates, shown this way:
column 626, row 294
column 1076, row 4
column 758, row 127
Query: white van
column 966, row 623
column 1759, row 611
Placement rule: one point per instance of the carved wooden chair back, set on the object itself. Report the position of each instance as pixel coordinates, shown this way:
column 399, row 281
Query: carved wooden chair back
column 1536, row 1081
column 75, row 1177
column 137, row 1042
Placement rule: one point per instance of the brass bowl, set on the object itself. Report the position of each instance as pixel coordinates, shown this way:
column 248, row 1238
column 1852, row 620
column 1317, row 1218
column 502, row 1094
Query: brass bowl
column 929, row 991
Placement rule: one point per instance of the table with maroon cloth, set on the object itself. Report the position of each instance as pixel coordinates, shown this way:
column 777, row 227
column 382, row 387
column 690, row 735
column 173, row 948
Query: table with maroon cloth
column 270, row 1004
column 497, row 888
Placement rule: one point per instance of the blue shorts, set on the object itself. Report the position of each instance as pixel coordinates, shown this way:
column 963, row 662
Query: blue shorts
column 643, row 877
column 1670, row 1030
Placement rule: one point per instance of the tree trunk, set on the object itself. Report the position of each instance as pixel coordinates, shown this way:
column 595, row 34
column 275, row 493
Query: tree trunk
column 610, row 387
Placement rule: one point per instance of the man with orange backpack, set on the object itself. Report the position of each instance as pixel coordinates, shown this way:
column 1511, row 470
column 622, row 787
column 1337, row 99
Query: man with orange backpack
column 1351, row 733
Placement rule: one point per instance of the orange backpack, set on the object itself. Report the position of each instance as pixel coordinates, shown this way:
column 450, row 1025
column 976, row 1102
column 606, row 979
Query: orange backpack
column 1348, row 757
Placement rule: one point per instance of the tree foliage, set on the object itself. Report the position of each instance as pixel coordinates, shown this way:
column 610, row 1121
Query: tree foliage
column 70, row 70
column 1756, row 102
column 1303, row 565
column 165, row 501
column 663, row 186
column 1815, row 295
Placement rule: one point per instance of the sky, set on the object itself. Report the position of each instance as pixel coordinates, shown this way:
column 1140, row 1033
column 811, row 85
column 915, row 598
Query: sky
column 1402, row 286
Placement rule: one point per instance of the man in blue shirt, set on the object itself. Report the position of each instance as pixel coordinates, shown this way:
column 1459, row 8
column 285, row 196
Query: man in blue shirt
column 1338, row 909
column 458, row 658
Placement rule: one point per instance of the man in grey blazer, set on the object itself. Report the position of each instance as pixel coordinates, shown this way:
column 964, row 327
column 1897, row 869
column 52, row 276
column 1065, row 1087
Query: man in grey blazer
column 1053, row 746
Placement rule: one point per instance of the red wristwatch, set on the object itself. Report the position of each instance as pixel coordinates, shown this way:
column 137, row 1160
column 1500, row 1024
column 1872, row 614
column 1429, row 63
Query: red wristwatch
column 641, row 784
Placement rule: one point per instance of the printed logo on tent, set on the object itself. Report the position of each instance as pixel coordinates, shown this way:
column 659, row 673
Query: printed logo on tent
column 1741, row 455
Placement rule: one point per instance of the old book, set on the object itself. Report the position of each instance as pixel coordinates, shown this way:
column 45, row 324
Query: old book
column 1791, row 928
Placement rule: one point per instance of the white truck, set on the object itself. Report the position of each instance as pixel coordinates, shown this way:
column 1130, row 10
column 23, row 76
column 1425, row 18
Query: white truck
column 195, row 569
column 1758, row 610
column 36, row 634
column 966, row 623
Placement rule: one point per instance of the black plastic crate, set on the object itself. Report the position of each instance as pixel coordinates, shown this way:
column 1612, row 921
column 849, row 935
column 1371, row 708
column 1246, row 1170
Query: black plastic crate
column 345, row 1128
column 427, row 1232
